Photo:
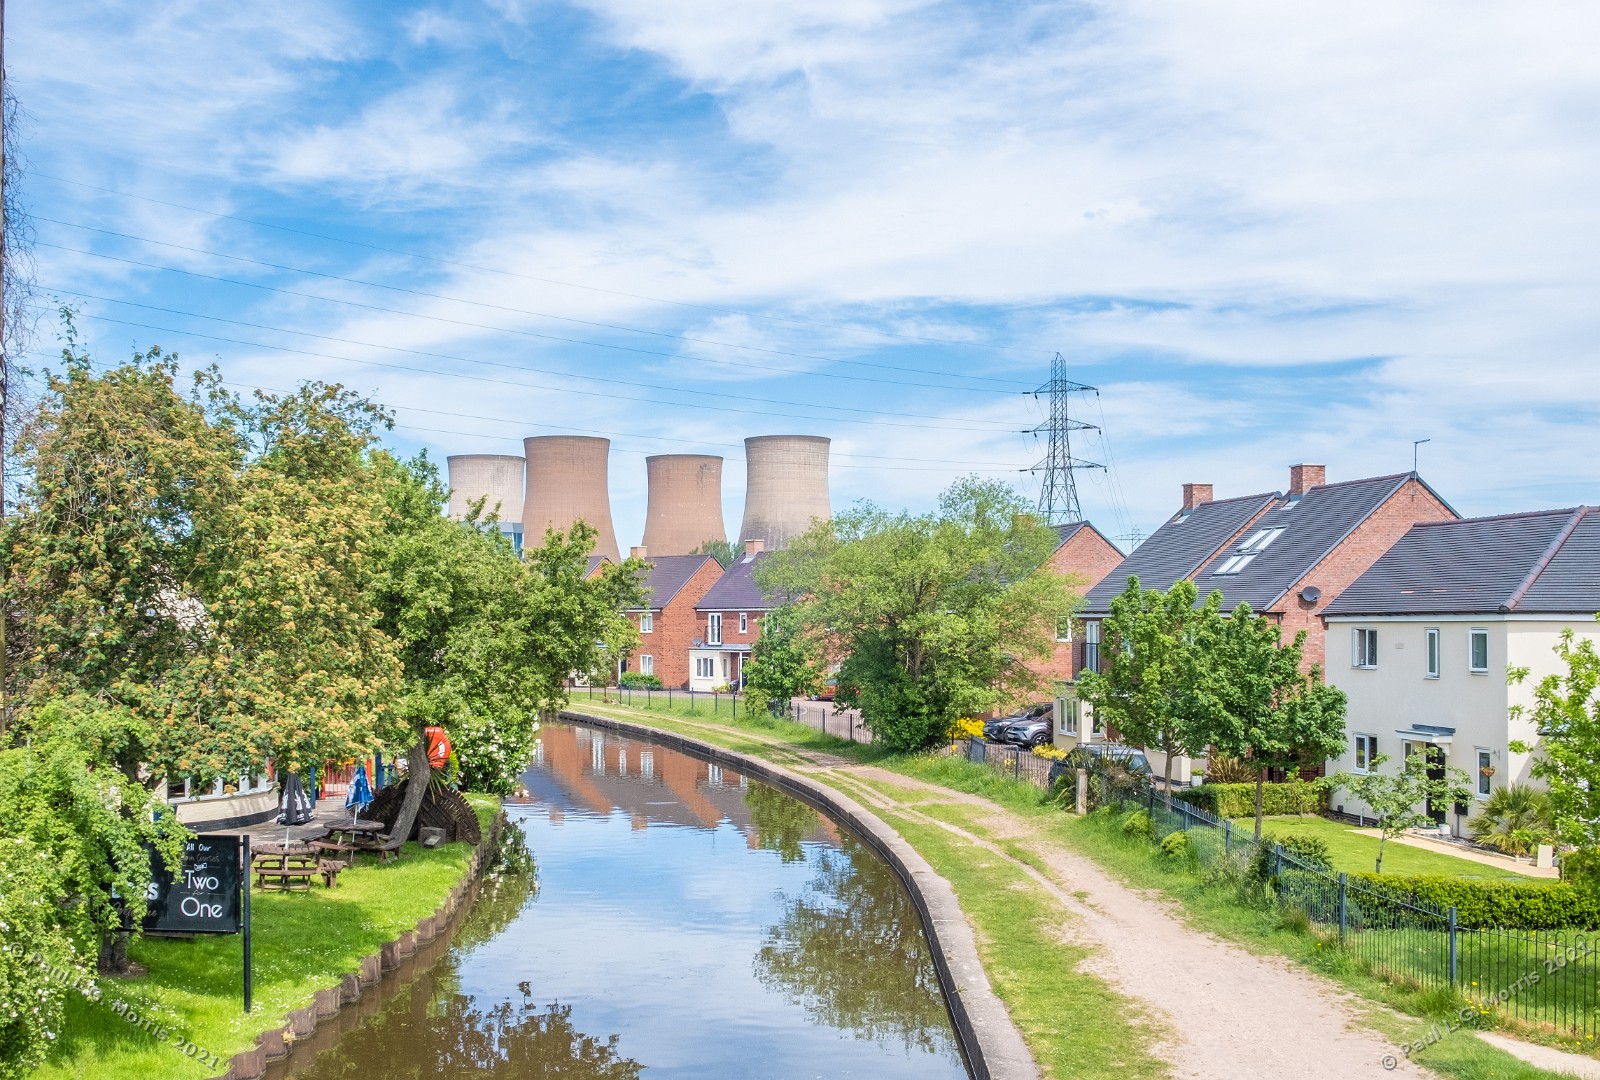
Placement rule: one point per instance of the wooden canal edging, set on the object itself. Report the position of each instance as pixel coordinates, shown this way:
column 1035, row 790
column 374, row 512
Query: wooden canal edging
column 994, row 1048
column 275, row 1044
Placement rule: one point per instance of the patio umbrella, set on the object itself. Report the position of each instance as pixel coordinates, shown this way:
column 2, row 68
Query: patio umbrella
column 360, row 794
column 294, row 807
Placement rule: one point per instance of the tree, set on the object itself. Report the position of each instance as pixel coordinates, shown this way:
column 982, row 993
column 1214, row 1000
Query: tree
column 722, row 550
column 936, row 615
column 1566, row 708
column 1154, row 691
column 783, row 663
column 1398, row 800
column 1261, row 706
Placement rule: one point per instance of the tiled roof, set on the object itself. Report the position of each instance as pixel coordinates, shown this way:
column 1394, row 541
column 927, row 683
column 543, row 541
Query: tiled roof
column 1179, row 548
column 1073, row 528
column 737, row 590
column 595, row 562
column 667, row 576
column 1546, row 562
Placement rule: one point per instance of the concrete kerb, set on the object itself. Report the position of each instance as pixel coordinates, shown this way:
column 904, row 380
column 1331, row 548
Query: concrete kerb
column 275, row 1044
column 994, row 1048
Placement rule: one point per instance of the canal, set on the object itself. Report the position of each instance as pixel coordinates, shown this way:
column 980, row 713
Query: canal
column 652, row 915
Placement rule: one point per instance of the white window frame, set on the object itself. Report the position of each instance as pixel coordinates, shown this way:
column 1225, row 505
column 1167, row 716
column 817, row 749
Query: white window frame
column 744, row 622
column 647, row 664
column 1363, row 747
column 1484, row 784
column 647, row 623
column 1234, row 564
column 1091, row 646
column 1069, row 717
column 714, row 628
column 1064, row 630
column 1476, row 634
column 1364, row 647
column 1260, row 540
column 704, row 667
column 1431, row 652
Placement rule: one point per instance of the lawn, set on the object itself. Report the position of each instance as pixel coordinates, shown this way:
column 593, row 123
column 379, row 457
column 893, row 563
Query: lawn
column 1353, row 853
column 302, row 942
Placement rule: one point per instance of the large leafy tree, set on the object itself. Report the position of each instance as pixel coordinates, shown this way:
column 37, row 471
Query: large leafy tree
column 1155, row 689
column 936, row 615
column 1262, row 706
column 783, row 664
column 1566, row 708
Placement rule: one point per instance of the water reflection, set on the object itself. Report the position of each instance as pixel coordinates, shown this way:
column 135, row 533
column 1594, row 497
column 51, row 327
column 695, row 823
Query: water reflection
column 682, row 920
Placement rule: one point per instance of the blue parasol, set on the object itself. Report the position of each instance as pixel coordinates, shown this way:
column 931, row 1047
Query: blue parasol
column 360, row 793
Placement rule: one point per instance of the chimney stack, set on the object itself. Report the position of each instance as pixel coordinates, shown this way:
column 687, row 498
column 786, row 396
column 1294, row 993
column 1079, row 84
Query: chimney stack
column 754, row 546
column 638, row 552
column 1304, row 477
column 1195, row 495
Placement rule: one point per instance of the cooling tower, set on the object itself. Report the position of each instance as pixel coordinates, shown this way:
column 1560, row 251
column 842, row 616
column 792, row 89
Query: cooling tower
column 786, row 486
column 494, row 478
column 684, row 507
column 567, row 482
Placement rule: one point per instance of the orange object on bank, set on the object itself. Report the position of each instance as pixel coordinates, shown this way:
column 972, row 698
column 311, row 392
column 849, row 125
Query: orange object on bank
column 439, row 748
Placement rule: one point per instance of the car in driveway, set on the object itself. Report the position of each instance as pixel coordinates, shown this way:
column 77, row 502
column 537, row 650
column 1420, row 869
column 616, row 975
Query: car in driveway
column 995, row 730
column 1032, row 730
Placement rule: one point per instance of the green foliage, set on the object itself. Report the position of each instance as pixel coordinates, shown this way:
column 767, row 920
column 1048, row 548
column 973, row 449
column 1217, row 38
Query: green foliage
column 1515, row 819
column 1310, row 851
column 1398, row 800
column 1176, row 844
column 37, row 958
column 1512, row 905
column 1239, row 800
column 1153, row 690
column 936, row 616
column 721, row 550
column 1566, row 708
column 638, row 680
column 1139, row 824
column 1222, row 769
column 1581, row 868
column 783, row 662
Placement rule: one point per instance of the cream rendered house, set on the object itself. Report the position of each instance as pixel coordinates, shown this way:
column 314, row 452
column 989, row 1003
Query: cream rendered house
column 1422, row 641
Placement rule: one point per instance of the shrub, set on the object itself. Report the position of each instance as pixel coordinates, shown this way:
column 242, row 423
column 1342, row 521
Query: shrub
column 1510, row 905
column 1176, row 844
column 1139, row 824
column 1582, row 869
column 1049, row 753
column 1515, row 819
column 1222, row 769
column 638, row 680
column 966, row 727
column 1311, row 851
column 1239, row 800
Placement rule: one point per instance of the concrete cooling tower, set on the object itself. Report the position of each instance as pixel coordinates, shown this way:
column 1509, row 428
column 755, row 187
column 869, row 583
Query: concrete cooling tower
column 786, row 487
column 684, row 506
column 567, row 482
column 494, row 478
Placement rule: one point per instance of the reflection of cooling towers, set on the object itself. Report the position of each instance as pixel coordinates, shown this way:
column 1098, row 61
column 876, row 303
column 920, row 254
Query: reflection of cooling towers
column 684, row 507
column 494, row 478
column 567, row 483
column 786, row 486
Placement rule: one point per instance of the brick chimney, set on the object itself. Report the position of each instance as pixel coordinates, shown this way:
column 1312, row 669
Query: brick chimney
column 1305, row 477
column 1195, row 495
column 754, row 547
column 637, row 552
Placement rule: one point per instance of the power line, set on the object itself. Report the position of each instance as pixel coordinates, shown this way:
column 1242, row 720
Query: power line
column 566, row 284
column 1058, row 493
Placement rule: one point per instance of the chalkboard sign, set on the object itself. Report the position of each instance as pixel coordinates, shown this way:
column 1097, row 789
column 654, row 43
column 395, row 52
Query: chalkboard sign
column 204, row 898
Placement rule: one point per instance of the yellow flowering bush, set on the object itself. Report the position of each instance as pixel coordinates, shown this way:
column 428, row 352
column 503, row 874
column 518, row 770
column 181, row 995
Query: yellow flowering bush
column 968, row 727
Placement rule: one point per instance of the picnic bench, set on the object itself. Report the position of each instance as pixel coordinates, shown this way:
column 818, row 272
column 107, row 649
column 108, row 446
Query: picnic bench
column 388, row 847
column 284, row 868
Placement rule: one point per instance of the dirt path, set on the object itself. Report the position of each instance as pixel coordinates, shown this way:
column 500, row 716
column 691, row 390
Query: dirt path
column 1232, row 1015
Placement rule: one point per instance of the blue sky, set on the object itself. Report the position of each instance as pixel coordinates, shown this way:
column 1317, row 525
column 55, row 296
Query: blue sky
column 1268, row 233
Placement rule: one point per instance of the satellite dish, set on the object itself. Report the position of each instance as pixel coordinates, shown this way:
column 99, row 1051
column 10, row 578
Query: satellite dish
column 1310, row 594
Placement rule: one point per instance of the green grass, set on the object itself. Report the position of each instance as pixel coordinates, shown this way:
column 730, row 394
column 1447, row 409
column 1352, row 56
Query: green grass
column 1354, row 853
column 302, row 942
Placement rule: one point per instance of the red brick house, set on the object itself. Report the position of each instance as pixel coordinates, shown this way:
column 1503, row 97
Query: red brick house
column 1085, row 555
column 729, row 622
column 669, row 625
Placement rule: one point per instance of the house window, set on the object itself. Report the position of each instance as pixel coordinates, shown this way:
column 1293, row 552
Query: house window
column 1366, row 752
column 647, row 623
column 714, row 628
column 1433, row 651
column 744, row 622
column 1364, row 649
column 1091, row 646
column 1260, row 540
column 1478, row 651
column 1485, row 772
column 1069, row 717
column 1064, row 630
column 647, row 665
column 704, row 668
column 1234, row 564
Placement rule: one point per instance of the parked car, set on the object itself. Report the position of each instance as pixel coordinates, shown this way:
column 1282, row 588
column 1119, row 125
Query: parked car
column 1087, row 755
column 1033, row 730
column 995, row 730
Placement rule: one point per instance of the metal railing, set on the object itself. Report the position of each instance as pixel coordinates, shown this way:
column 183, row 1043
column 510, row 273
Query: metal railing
column 841, row 723
column 1017, row 762
column 717, row 702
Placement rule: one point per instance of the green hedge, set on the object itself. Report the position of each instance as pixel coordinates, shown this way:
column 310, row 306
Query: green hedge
column 635, row 680
column 1239, row 800
column 1510, row 905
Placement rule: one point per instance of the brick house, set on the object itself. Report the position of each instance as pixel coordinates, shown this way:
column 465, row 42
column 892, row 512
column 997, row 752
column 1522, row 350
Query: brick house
column 1286, row 554
column 1085, row 555
column 674, row 584
column 1422, row 641
column 729, row 622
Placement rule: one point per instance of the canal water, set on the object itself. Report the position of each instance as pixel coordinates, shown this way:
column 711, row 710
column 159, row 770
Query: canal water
column 651, row 915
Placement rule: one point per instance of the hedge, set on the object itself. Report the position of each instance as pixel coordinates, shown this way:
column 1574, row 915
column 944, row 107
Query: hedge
column 1509, row 905
column 1239, row 800
column 637, row 680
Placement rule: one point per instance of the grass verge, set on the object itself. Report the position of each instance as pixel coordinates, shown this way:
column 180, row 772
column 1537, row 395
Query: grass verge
column 1354, row 853
column 302, row 942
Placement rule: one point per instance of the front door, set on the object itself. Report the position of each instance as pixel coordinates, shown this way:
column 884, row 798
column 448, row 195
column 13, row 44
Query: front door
column 1436, row 808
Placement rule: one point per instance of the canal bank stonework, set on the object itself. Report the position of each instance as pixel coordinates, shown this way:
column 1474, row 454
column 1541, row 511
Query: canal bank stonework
column 994, row 1048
